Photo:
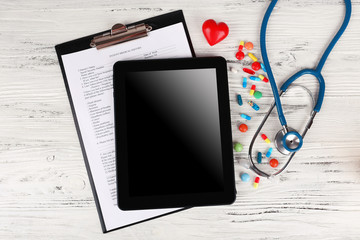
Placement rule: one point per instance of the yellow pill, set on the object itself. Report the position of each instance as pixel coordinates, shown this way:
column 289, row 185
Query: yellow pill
column 252, row 57
column 241, row 46
column 267, row 140
column 256, row 185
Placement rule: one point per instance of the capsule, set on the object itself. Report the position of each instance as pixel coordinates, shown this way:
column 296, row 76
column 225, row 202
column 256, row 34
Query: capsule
column 266, row 139
column 244, row 82
column 254, row 105
column 241, row 45
column 240, row 101
column 256, row 182
column 263, row 78
column 263, row 67
column 252, row 57
column 253, row 87
column 245, row 116
column 259, row 157
column 255, row 78
column 268, row 154
column 249, row 71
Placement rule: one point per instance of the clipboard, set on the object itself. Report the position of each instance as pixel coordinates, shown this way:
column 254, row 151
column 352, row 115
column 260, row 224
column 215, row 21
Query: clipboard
column 118, row 34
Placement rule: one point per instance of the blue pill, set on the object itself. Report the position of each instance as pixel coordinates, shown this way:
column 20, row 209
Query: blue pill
column 259, row 158
column 240, row 101
column 255, row 78
column 245, row 116
column 245, row 177
column 268, row 154
column 244, row 82
column 263, row 67
column 254, row 105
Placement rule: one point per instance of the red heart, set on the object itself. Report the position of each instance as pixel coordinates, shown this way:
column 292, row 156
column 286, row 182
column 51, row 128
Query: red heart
column 213, row 32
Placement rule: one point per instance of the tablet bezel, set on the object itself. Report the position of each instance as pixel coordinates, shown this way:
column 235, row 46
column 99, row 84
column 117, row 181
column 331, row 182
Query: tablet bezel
column 127, row 202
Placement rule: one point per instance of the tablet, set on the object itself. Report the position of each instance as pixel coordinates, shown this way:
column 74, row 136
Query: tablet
column 173, row 133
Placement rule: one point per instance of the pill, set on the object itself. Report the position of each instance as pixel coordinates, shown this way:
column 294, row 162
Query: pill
column 232, row 69
column 249, row 71
column 238, row 147
column 263, row 78
column 256, row 66
column 245, row 116
column 274, row 163
column 256, row 182
column 257, row 94
column 245, row 177
column 254, row 78
column 244, row 82
column 240, row 101
column 252, row 91
column 240, row 55
column 259, row 157
column 249, row 45
column 254, row 105
column 241, row 45
column 263, row 67
column 266, row 139
column 252, row 57
column 243, row 127
column 268, row 154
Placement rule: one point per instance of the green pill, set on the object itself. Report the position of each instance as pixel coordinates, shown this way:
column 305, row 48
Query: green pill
column 238, row 147
column 258, row 95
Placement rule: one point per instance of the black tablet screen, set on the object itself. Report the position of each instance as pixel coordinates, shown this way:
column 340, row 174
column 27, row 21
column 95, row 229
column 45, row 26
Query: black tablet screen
column 173, row 132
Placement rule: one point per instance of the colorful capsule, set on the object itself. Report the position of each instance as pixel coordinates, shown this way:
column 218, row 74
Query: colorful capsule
column 249, row 45
column 256, row 182
column 256, row 66
column 268, row 154
column 263, row 67
column 244, row 82
column 263, row 78
column 257, row 94
column 266, row 139
column 240, row 55
column 255, row 78
column 249, row 71
column 274, row 163
column 240, row 101
column 254, row 105
column 252, row 91
column 245, row 116
column 243, row 127
column 241, row 45
column 259, row 157
column 245, row 177
column 252, row 57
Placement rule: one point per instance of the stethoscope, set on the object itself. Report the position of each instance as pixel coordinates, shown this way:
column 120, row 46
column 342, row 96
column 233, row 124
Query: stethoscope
column 288, row 141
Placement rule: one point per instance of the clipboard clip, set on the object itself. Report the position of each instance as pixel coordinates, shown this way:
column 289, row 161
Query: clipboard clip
column 120, row 33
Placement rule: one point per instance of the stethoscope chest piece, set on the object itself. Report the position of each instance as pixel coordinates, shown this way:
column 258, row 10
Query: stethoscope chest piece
column 288, row 142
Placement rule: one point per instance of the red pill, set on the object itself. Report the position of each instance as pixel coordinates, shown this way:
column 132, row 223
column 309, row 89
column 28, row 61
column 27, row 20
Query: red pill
column 274, row 163
column 256, row 66
column 249, row 71
column 240, row 55
column 243, row 127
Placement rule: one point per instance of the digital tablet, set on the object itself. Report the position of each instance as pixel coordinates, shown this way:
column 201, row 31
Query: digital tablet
column 173, row 133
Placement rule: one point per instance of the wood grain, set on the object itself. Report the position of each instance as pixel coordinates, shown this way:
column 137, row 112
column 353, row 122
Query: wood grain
column 44, row 188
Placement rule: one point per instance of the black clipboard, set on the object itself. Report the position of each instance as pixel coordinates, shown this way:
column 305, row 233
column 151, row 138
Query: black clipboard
column 87, row 42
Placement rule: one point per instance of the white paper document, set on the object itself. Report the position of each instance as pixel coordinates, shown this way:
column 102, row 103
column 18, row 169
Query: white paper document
column 90, row 78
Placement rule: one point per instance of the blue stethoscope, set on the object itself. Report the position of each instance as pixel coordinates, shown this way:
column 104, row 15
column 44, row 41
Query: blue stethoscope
column 288, row 141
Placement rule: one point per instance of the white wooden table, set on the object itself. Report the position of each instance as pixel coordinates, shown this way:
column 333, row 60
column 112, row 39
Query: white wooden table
column 44, row 188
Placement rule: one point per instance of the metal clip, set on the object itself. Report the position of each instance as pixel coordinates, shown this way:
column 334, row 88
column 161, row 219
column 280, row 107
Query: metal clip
column 120, row 33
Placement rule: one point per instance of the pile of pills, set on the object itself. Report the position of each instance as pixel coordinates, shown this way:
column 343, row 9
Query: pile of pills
column 244, row 50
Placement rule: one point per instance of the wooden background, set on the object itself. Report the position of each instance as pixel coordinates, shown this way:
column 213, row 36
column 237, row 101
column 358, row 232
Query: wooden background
column 44, row 188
